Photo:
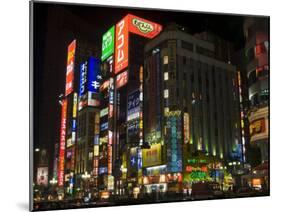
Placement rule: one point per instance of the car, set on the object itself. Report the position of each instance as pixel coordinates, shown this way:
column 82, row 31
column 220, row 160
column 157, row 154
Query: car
column 201, row 190
column 245, row 192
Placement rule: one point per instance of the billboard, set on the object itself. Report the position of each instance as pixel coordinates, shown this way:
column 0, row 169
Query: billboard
column 90, row 76
column 152, row 156
column 70, row 68
column 143, row 27
column 121, row 79
column 42, row 176
column 257, row 127
column 90, row 79
column 133, row 105
column 108, row 43
column 62, row 143
column 121, row 45
column 94, row 76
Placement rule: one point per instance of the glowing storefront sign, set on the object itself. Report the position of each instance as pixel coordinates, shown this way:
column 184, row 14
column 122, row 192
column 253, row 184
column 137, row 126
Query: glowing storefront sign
column 108, row 43
column 104, row 112
column 104, row 126
column 121, row 79
column 93, row 102
column 152, row 156
column 42, row 176
column 186, row 128
column 133, row 106
column 96, row 150
column 110, row 111
column 70, row 68
column 198, row 175
column 102, row 170
column 74, row 112
column 111, row 97
column 62, row 143
column 110, row 137
column 110, row 183
column 257, row 126
column 256, row 182
column 69, row 142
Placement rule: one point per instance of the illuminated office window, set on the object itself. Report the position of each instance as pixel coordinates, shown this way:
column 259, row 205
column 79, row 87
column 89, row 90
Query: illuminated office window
column 166, row 59
column 166, row 76
column 166, row 93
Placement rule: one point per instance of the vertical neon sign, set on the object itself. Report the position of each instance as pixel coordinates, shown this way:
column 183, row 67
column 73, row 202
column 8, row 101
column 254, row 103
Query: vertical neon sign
column 62, row 143
column 121, row 45
column 70, row 68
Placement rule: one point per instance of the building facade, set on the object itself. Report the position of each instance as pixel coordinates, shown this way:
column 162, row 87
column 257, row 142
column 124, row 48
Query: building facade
column 191, row 109
column 78, row 51
column 257, row 51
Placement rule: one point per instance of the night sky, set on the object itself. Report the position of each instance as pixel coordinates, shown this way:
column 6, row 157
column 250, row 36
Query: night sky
column 56, row 25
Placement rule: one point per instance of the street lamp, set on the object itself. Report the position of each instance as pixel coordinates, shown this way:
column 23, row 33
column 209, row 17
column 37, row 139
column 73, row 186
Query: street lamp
column 85, row 177
column 60, row 98
column 53, row 181
column 37, row 150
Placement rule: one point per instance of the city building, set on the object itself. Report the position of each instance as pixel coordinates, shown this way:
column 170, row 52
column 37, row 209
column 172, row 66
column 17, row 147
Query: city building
column 191, row 112
column 256, row 31
column 86, row 164
column 121, row 125
column 78, row 52
column 251, row 153
column 223, row 49
column 257, row 50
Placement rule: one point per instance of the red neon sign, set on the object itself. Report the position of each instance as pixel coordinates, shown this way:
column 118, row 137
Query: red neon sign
column 62, row 143
column 143, row 27
column 70, row 68
column 121, row 79
column 136, row 25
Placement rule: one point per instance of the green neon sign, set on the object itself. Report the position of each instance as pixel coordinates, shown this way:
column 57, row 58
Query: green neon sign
column 198, row 175
column 196, row 161
column 108, row 43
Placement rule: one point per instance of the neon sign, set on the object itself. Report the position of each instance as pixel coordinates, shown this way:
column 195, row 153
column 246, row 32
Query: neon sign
column 62, row 143
column 70, row 68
